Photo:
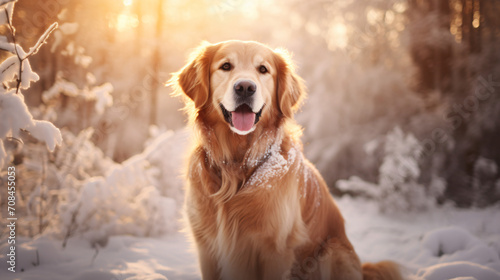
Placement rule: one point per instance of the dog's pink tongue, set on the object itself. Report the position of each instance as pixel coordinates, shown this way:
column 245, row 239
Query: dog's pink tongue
column 243, row 118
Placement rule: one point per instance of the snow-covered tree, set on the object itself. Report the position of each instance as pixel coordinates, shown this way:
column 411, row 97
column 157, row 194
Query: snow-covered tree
column 398, row 188
column 16, row 75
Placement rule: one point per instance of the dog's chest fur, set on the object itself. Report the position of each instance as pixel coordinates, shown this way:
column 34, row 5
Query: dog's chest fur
column 259, row 218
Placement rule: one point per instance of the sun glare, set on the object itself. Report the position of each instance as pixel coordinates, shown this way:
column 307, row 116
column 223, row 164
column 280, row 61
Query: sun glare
column 337, row 35
column 126, row 22
column 127, row 2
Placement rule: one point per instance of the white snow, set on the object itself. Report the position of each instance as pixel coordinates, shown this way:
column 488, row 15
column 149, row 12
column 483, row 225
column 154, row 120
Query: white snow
column 458, row 270
column 456, row 244
column 16, row 74
column 13, row 113
column 275, row 165
column 6, row 5
column 14, row 116
column 443, row 239
column 27, row 75
column 357, row 184
column 9, row 68
column 69, row 28
column 439, row 243
column 45, row 131
column 6, row 45
column 100, row 94
column 124, row 257
column 60, row 87
column 139, row 197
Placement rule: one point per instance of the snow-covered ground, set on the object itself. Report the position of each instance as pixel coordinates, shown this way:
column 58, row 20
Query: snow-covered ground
column 444, row 243
column 124, row 257
column 441, row 243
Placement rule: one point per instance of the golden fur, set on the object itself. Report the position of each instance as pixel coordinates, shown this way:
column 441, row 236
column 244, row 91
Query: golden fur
column 256, row 207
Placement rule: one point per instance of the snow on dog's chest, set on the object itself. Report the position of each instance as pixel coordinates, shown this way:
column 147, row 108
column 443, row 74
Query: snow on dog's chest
column 275, row 166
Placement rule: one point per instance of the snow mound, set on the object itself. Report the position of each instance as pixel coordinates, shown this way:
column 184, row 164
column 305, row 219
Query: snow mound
column 457, row 253
column 462, row 270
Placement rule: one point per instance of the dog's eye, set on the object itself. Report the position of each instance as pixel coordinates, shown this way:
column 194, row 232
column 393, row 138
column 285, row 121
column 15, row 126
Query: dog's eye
column 226, row 66
column 263, row 69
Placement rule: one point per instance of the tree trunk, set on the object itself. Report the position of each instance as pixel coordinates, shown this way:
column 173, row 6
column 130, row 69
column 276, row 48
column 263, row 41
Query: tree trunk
column 139, row 29
column 467, row 11
column 475, row 27
column 444, row 52
column 156, row 66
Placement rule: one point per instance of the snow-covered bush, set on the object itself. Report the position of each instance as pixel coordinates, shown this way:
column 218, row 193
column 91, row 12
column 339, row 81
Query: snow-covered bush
column 56, row 175
column 128, row 199
column 79, row 192
column 16, row 75
column 398, row 188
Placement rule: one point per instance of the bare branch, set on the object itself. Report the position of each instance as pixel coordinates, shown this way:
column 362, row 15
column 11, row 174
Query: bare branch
column 13, row 34
column 20, row 141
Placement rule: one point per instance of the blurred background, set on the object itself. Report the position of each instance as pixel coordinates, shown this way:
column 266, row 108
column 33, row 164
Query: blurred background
column 404, row 95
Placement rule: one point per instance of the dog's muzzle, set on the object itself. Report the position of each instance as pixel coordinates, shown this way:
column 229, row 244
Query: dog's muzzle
column 243, row 118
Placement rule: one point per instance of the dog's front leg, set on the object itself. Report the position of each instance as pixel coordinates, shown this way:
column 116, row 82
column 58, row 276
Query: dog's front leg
column 277, row 266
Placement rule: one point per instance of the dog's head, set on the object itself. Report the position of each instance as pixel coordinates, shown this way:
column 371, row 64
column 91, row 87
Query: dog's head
column 241, row 84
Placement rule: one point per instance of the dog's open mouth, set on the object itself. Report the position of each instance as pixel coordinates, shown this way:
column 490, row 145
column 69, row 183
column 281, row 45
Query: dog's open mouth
column 243, row 118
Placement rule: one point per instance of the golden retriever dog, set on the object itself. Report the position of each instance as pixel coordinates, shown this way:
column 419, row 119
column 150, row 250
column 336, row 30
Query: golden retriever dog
column 256, row 207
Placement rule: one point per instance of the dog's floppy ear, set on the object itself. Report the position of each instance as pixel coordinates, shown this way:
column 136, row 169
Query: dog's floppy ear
column 194, row 78
column 290, row 87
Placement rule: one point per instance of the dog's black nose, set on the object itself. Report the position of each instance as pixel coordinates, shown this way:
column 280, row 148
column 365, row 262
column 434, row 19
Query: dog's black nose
column 245, row 88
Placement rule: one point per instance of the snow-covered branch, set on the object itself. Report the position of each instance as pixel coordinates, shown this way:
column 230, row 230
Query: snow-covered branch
column 42, row 40
column 100, row 94
column 14, row 114
column 23, row 65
